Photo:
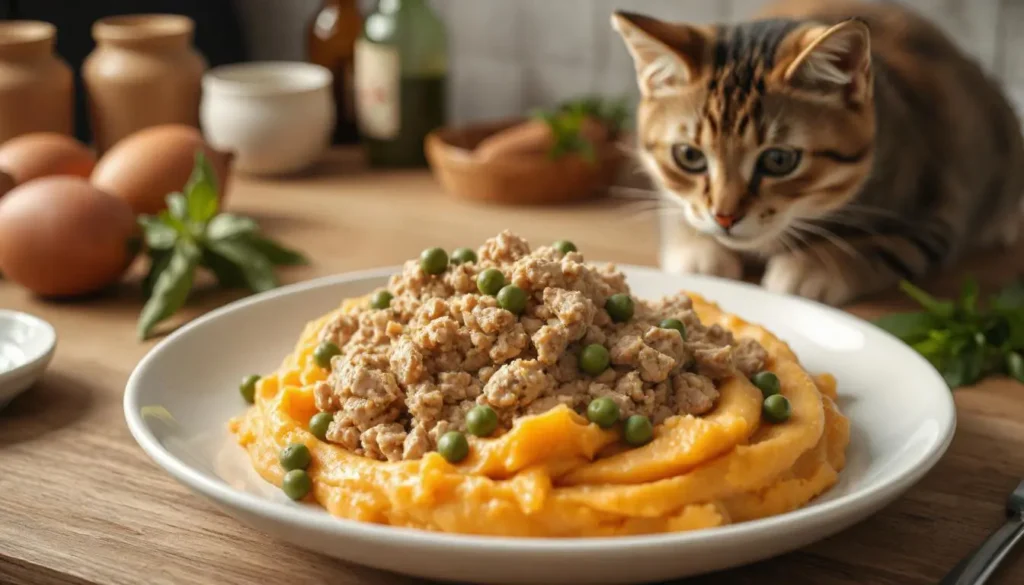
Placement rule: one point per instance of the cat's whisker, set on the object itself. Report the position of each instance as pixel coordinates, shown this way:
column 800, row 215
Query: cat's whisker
column 829, row 236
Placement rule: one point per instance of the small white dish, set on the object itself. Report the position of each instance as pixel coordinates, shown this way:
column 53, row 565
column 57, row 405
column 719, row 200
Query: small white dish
column 180, row 396
column 27, row 344
column 277, row 117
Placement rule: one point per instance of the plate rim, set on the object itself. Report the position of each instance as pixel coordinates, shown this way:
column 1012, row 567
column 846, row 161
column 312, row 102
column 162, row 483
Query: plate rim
column 310, row 517
column 37, row 361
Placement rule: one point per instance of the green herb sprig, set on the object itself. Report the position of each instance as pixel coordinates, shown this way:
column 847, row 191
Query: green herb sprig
column 192, row 233
column 614, row 114
column 964, row 339
column 566, row 122
column 565, row 127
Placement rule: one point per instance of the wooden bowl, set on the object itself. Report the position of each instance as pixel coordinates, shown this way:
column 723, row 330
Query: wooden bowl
column 520, row 178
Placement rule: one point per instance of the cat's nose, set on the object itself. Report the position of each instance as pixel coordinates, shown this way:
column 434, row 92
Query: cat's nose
column 726, row 221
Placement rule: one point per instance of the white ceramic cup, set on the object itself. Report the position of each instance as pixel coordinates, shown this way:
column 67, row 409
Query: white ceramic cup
column 276, row 116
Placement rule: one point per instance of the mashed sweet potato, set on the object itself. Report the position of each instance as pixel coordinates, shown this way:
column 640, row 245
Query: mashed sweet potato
column 553, row 473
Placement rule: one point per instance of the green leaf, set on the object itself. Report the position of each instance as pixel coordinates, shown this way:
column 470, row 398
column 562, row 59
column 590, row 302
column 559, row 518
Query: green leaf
column 176, row 224
column 227, row 225
column 228, row 274
column 1010, row 298
column 966, row 368
column 177, row 205
column 171, row 288
column 910, row 327
column 159, row 234
column 201, row 190
column 277, row 254
column 930, row 303
column 255, row 267
column 158, row 261
column 969, row 296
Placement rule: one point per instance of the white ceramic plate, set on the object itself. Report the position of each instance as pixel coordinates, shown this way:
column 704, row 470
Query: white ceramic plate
column 27, row 344
column 181, row 395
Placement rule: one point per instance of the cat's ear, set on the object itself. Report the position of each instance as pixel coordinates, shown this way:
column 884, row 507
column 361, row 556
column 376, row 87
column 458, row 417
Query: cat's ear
column 666, row 55
column 831, row 58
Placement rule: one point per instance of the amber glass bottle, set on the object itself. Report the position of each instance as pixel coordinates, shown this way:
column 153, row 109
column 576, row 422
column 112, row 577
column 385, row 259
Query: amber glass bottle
column 332, row 37
column 401, row 74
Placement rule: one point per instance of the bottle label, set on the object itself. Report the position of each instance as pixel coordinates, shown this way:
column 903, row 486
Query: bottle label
column 377, row 90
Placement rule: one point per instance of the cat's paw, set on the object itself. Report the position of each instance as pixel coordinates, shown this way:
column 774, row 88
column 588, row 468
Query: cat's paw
column 701, row 256
column 807, row 275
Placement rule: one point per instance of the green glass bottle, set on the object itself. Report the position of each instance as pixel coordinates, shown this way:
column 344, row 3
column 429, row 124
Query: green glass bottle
column 401, row 70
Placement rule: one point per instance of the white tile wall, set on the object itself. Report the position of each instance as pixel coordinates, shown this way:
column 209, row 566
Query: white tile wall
column 509, row 55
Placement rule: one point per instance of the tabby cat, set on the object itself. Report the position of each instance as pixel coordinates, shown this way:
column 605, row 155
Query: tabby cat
column 849, row 145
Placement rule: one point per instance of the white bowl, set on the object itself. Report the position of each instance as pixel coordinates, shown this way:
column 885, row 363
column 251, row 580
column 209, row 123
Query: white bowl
column 180, row 396
column 27, row 344
column 276, row 116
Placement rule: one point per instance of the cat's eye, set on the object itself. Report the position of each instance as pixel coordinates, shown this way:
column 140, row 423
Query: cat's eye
column 778, row 162
column 689, row 159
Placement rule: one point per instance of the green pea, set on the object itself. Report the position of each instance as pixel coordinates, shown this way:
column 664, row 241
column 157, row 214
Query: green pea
column 1015, row 365
column 248, row 387
column 564, row 246
column 603, row 412
column 767, row 382
column 434, row 260
column 295, row 456
column 619, row 307
column 490, row 281
column 463, row 256
column 381, row 299
column 776, row 409
column 319, row 423
column 674, row 324
column 512, row 299
column 297, row 484
column 594, row 359
column 638, row 430
column 481, row 420
column 453, row 446
column 324, row 352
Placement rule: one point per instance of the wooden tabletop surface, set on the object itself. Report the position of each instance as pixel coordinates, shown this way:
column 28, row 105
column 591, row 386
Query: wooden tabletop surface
column 80, row 503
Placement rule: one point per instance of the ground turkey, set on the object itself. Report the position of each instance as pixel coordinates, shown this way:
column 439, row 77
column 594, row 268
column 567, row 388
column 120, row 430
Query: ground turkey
column 410, row 373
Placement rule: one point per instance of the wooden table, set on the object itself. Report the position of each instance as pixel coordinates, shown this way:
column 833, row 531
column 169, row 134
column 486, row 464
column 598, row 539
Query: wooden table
column 81, row 503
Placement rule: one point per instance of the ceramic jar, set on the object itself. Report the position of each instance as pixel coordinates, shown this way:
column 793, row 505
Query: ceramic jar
column 276, row 117
column 143, row 72
column 36, row 86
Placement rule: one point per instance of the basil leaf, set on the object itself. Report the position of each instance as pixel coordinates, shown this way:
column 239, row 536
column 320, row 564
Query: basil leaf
column 930, row 303
column 255, row 267
column 276, row 253
column 159, row 235
column 227, row 225
column 176, row 224
column 228, row 274
column 171, row 288
column 177, row 205
column 158, row 260
column 909, row 327
column 1010, row 298
column 201, row 190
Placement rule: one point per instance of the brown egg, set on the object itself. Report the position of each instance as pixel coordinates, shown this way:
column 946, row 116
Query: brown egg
column 6, row 183
column 60, row 236
column 144, row 167
column 44, row 154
